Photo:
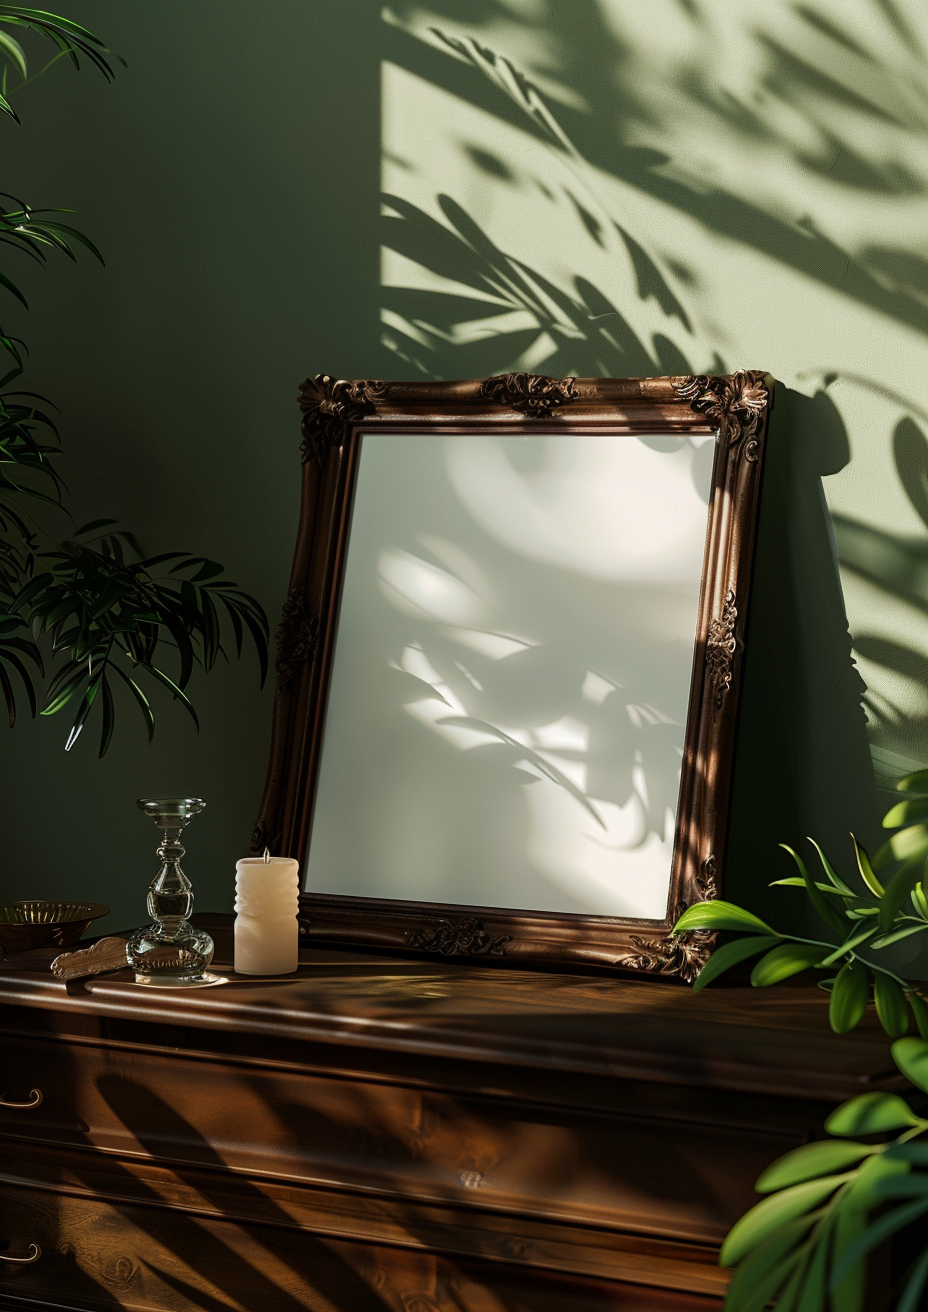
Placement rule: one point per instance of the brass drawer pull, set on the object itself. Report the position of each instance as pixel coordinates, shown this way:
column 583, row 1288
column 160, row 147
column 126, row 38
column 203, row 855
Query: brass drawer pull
column 35, row 1097
column 33, row 1255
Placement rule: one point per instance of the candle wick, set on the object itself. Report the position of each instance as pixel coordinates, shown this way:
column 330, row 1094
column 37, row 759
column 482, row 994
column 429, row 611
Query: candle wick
column 267, row 856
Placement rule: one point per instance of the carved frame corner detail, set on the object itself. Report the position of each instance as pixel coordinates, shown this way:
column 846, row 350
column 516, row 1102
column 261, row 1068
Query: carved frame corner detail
column 330, row 405
column 736, row 403
column 683, row 955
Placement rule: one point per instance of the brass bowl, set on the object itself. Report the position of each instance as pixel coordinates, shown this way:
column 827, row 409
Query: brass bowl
column 33, row 924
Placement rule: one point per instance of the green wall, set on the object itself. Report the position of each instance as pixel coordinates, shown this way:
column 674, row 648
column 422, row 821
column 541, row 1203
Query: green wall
column 739, row 183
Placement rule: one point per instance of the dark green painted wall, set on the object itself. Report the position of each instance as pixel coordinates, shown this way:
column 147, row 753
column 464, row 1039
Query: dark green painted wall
column 740, row 188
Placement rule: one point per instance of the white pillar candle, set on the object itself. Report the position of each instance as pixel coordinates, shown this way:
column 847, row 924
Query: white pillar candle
column 266, row 929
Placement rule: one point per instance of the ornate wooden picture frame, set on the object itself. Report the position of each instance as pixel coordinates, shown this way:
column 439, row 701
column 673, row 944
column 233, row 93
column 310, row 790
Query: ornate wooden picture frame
column 336, row 413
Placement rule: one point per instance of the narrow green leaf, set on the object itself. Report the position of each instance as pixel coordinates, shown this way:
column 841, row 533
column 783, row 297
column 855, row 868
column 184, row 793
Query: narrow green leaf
column 911, row 1300
column 108, row 717
column 920, row 1011
column 885, row 940
column 848, row 1292
column 730, row 954
column 784, row 961
column 900, row 887
column 14, row 53
column 911, row 1056
column 871, row 1113
column 8, row 696
column 890, row 1005
column 721, row 915
column 796, row 881
column 764, row 1270
column 829, row 914
column 812, row 1296
column 866, row 868
column 878, row 1231
column 849, row 945
column 173, row 688
column 141, row 699
column 849, row 997
column 770, row 1215
column 824, row 1157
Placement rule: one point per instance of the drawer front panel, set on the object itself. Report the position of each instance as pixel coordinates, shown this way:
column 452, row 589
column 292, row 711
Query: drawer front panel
column 656, row 1177
column 96, row 1255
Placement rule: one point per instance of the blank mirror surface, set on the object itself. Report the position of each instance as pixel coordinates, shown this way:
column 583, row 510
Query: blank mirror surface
column 507, row 707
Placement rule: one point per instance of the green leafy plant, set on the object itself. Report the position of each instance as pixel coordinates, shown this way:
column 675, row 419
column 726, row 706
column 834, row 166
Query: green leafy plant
column 832, row 1202
column 803, row 1247
column 91, row 602
column 881, row 910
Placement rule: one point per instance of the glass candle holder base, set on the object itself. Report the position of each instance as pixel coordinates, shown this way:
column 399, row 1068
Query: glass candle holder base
column 170, row 952
column 159, row 960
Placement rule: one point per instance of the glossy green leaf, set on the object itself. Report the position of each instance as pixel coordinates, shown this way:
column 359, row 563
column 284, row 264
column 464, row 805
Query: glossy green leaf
column 865, row 866
column 847, row 1293
column 785, row 960
column 908, row 843
column 914, row 783
column 871, row 1113
column 911, row 1056
column 770, row 1215
column 730, row 954
column 763, row 1271
column 919, row 1009
column 890, row 1005
column 878, row 1231
column 812, row 1294
column 721, row 915
column 824, row 1157
column 850, row 944
column 913, row 811
column 849, row 997
column 896, row 936
column 14, row 53
column 900, row 887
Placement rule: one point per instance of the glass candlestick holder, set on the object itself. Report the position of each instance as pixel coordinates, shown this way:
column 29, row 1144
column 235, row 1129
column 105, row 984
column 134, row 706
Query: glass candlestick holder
column 170, row 952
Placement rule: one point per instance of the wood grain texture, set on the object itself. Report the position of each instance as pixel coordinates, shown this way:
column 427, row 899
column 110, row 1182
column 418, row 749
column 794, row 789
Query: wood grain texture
column 336, row 415
column 387, row 1134
column 761, row 1041
column 151, row 1259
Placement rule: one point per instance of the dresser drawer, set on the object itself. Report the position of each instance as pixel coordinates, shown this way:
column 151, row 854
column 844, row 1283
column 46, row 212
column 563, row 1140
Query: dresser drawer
column 95, row 1254
column 625, row 1172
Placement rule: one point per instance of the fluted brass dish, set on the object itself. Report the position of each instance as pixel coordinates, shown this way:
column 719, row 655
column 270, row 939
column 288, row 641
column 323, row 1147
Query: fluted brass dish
column 38, row 924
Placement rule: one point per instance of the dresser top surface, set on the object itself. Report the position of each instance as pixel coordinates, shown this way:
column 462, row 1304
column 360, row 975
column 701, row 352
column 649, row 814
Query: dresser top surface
column 769, row 1040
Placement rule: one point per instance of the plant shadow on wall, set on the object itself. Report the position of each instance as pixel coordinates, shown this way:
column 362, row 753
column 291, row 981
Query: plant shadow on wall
column 896, row 565
column 458, row 302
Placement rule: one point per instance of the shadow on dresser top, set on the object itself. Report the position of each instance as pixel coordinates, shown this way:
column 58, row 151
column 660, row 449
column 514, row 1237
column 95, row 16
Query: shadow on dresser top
column 774, row 1041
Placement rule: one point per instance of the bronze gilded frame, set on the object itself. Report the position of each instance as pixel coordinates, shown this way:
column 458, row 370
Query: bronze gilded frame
column 336, row 413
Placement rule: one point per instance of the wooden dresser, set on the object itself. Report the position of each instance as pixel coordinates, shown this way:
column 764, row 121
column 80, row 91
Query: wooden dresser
column 386, row 1135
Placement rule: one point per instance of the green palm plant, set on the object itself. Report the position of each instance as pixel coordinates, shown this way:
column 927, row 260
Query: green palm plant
column 832, row 1202
column 103, row 614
